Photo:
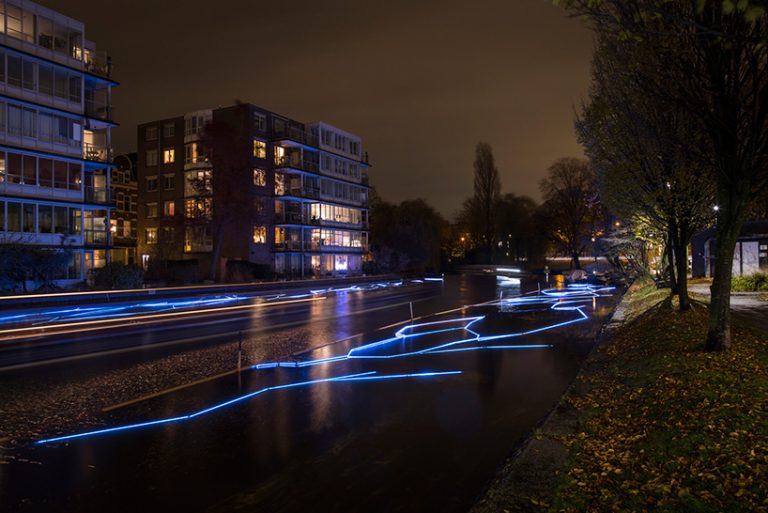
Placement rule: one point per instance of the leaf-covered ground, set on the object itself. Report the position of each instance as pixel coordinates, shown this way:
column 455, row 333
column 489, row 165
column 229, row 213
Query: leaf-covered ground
column 665, row 425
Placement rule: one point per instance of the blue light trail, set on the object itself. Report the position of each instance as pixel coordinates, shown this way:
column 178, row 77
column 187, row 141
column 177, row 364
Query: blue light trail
column 363, row 376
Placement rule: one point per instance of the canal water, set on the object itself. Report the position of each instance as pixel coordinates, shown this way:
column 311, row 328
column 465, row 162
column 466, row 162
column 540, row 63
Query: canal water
column 406, row 418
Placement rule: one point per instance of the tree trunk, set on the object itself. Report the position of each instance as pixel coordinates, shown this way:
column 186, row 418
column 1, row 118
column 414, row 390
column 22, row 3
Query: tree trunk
column 215, row 254
column 575, row 260
column 719, row 325
column 681, row 263
column 670, row 255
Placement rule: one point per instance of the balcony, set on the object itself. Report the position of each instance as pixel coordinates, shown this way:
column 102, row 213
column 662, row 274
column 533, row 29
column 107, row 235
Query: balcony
column 299, row 192
column 100, row 195
column 96, row 237
column 289, row 218
column 97, row 63
column 295, row 134
column 314, row 246
column 99, row 110
column 294, row 163
column 97, row 153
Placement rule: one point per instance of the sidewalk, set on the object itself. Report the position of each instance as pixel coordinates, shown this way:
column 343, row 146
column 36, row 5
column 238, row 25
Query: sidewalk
column 749, row 307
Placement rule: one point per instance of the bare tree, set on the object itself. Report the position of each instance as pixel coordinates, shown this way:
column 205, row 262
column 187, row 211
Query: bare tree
column 482, row 207
column 571, row 207
column 711, row 58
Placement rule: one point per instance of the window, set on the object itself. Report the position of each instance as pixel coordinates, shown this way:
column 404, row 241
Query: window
column 169, row 182
column 197, row 182
column 45, row 219
column 14, row 70
column 151, row 183
column 197, row 207
column 151, row 157
column 259, row 177
column 259, row 149
column 29, row 123
column 14, row 120
column 150, row 133
column 259, row 122
column 169, row 156
column 259, row 204
column 45, row 78
column 45, row 32
column 2, row 216
column 151, row 235
column 168, row 233
column 126, row 228
column 169, row 130
column 169, row 208
column 152, row 209
column 14, row 217
column 127, row 206
column 29, row 217
column 28, row 75
column 30, row 170
column 259, row 234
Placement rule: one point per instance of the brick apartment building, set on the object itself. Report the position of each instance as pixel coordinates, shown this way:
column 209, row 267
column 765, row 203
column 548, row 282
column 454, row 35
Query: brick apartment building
column 285, row 195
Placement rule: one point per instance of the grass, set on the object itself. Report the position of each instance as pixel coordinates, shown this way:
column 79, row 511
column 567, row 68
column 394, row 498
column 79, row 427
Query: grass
column 757, row 282
column 667, row 426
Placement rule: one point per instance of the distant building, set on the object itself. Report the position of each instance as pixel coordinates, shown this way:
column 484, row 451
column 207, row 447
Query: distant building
column 55, row 122
column 750, row 255
column 302, row 197
column 126, row 198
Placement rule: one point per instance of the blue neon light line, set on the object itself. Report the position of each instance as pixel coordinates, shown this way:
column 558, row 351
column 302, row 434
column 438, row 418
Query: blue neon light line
column 363, row 376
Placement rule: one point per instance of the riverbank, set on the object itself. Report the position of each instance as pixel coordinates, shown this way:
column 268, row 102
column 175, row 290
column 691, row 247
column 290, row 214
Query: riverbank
column 652, row 423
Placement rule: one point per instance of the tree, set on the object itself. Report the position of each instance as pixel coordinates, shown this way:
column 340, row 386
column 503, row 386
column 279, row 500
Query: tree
column 571, row 206
column 481, row 209
column 222, row 200
column 710, row 57
column 407, row 237
column 642, row 150
column 517, row 228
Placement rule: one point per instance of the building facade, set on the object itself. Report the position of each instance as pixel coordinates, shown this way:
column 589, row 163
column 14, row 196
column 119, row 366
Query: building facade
column 126, row 199
column 749, row 257
column 55, row 122
column 256, row 188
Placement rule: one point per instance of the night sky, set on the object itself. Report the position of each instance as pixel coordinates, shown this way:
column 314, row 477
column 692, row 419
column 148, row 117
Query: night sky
column 420, row 82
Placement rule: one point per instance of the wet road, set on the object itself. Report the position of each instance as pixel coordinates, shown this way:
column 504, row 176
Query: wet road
column 418, row 423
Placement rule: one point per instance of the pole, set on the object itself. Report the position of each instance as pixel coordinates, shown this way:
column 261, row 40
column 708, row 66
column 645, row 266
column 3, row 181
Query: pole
column 411, row 305
column 239, row 351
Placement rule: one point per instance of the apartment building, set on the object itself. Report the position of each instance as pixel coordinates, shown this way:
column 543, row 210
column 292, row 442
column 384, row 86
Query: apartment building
column 273, row 191
column 55, row 122
column 123, row 219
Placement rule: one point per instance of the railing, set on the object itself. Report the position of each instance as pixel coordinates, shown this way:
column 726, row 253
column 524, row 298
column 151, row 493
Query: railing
column 99, row 110
column 289, row 217
column 301, row 192
column 98, row 195
column 297, row 245
column 97, row 62
column 304, row 165
column 97, row 153
column 295, row 134
column 96, row 237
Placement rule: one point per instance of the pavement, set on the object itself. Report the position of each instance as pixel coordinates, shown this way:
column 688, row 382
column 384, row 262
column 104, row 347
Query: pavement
column 749, row 307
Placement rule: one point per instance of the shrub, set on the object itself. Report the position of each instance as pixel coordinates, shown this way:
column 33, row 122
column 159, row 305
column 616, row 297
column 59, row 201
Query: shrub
column 757, row 282
column 118, row 276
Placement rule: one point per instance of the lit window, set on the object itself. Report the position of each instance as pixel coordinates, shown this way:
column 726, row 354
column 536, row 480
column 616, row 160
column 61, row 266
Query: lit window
column 197, row 208
column 151, row 235
column 169, row 156
column 259, row 234
column 259, row 177
column 259, row 149
column 169, row 208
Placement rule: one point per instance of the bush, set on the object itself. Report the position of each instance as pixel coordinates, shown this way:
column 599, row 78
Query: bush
column 244, row 271
column 118, row 276
column 757, row 282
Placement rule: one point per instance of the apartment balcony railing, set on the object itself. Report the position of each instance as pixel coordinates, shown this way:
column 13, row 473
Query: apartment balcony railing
column 97, row 63
column 297, row 245
column 101, row 195
column 99, row 110
column 292, row 163
column 295, row 134
column 299, row 192
column 97, row 153
column 96, row 237
column 290, row 217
